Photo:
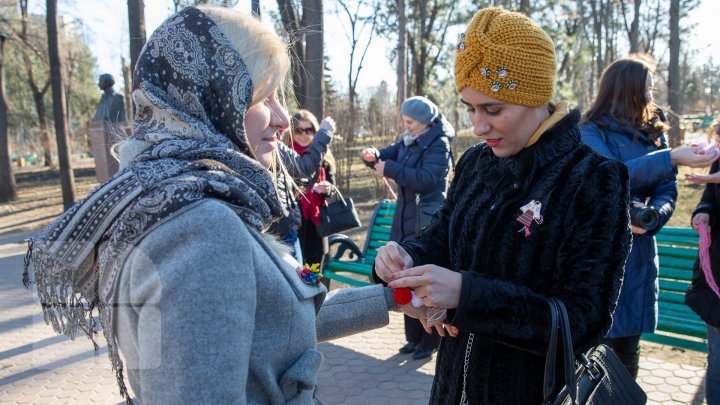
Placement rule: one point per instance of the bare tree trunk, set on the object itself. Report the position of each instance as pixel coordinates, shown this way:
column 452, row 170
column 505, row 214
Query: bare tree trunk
column 8, row 189
column 313, row 23
column 37, row 93
column 674, row 97
column 67, row 181
column 255, row 7
column 39, row 99
column 421, row 52
column 291, row 24
column 634, row 29
column 524, row 6
column 127, row 91
column 136, row 24
column 401, row 59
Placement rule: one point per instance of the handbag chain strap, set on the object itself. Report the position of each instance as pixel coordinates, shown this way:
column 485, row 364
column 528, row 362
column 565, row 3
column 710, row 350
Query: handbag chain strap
column 468, row 350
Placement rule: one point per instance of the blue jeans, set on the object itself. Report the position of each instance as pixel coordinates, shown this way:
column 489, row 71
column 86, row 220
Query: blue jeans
column 712, row 378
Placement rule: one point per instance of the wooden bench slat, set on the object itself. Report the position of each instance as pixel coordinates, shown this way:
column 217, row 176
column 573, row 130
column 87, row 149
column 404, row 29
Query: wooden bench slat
column 670, row 296
column 675, row 272
column 674, row 285
column 679, row 252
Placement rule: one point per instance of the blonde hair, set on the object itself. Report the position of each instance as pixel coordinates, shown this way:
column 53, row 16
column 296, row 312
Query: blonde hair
column 264, row 53
column 266, row 57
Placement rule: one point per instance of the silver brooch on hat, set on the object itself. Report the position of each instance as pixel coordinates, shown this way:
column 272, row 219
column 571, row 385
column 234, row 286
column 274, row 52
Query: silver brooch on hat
column 461, row 42
column 502, row 72
column 484, row 72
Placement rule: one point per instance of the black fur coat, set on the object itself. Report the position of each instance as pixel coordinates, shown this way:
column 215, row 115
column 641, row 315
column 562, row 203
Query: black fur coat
column 573, row 249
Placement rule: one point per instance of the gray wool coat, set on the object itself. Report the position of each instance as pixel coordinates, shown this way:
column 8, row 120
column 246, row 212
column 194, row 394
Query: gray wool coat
column 209, row 313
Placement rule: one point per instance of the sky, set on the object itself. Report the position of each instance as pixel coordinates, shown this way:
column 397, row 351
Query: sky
column 105, row 24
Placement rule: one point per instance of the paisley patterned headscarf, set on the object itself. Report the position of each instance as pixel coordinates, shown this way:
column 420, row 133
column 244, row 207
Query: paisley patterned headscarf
column 191, row 91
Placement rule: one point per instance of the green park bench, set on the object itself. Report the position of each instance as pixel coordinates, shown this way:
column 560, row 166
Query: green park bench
column 339, row 266
column 678, row 325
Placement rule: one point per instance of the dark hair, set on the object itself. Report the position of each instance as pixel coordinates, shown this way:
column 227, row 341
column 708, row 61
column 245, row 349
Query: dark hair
column 622, row 96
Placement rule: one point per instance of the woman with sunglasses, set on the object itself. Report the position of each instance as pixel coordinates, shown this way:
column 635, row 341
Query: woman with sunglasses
column 318, row 186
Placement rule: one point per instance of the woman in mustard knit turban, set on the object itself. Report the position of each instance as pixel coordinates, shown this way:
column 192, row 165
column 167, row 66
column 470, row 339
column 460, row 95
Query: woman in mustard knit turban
column 531, row 214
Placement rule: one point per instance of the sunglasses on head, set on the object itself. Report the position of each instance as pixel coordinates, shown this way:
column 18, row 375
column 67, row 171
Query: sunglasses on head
column 306, row 131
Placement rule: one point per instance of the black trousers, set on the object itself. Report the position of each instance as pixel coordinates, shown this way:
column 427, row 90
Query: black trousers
column 312, row 244
column 627, row 349
column 415, row 333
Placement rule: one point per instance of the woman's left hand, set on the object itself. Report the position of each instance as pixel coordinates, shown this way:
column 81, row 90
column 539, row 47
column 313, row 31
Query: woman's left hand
column 436, row 286
column 420, row 313
column 322, row 187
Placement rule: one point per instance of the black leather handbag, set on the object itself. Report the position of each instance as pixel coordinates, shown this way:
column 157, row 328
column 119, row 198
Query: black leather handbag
column 595, row 377
column 338, row 214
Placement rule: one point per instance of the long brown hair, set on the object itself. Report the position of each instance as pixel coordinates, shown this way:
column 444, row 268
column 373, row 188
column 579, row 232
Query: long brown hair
column 622, row 96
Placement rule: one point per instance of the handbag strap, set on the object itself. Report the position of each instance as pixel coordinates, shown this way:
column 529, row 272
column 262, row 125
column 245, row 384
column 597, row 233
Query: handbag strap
column 335, row 195
column 549, row 381
column 560, row 323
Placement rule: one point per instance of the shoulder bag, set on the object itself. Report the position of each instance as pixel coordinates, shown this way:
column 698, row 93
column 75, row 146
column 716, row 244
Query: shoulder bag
column 337, row 214
column 424, row 210
column 595, row 377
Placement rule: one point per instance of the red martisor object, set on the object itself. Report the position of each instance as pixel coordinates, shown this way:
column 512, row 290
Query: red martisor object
column 402, row 295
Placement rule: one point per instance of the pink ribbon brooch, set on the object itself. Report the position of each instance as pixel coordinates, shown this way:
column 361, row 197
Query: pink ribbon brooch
column 530, row 213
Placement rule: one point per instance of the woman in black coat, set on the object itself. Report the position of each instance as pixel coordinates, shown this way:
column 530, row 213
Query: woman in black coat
column 701, row 297
column 531, row 214
column 419, row 163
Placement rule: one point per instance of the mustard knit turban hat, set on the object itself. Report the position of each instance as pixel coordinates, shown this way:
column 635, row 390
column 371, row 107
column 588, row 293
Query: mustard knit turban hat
column 508, row 57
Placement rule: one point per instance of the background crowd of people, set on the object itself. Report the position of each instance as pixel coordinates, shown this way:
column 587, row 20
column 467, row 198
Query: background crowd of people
column 217, row 172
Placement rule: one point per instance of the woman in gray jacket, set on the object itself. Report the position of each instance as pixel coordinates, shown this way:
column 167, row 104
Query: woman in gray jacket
column 204, row 306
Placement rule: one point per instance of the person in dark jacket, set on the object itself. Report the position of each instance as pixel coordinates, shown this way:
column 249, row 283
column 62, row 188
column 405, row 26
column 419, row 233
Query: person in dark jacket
column 531, row 214
column 701, row 297
column 315, row 188
column 625, row 124
column 419, row 163
column 299, row 166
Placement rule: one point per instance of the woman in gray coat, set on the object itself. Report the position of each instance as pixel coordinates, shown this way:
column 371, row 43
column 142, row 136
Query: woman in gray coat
column 203, row 304
column 419, row 163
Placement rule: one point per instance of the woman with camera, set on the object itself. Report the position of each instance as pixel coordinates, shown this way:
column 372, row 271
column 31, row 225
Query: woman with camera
column 625, row 124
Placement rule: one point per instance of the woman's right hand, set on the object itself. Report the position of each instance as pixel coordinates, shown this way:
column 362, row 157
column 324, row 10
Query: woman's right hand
column 698, row 218
column 390, row 259
column 368, row 154
column 703, row 178
column 693, row 156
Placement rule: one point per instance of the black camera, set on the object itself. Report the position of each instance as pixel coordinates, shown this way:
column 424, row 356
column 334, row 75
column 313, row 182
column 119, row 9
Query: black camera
column 643, row 216
column 372, row 164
